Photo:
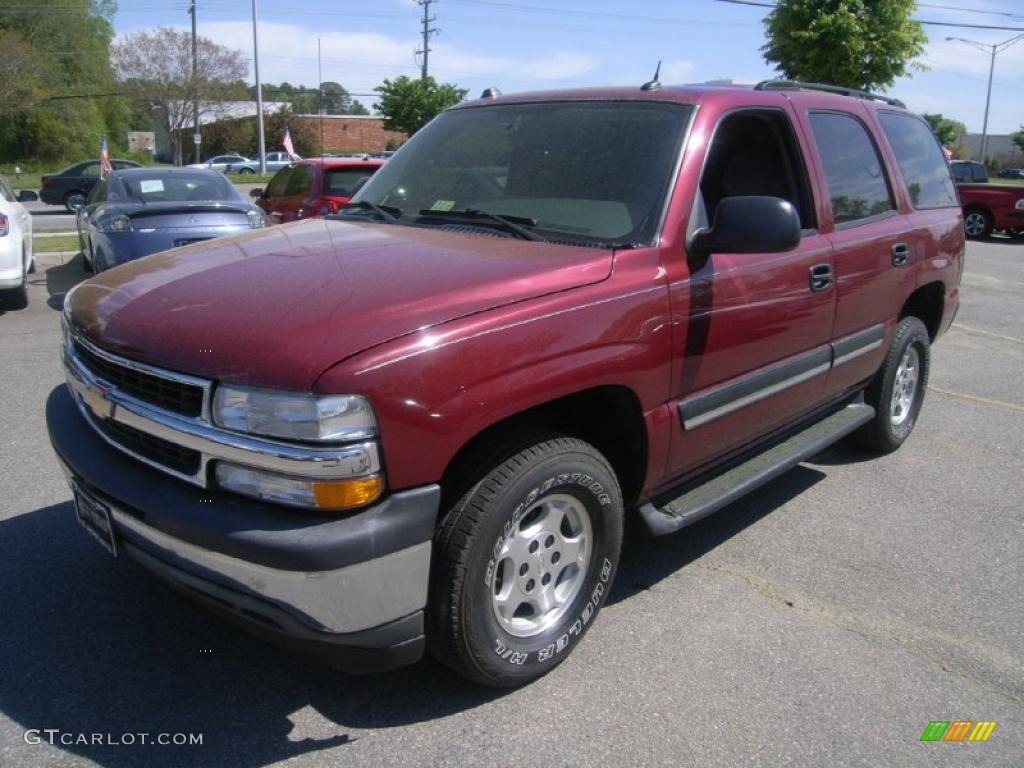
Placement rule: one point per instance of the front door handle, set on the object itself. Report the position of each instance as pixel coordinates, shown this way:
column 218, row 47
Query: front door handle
column 822, row 277
column 900, row 254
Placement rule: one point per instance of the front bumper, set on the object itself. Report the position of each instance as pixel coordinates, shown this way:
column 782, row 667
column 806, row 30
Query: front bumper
column 349, row 591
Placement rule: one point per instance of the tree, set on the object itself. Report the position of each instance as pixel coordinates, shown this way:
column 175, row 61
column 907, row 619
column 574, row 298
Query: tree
column 409, row 104
column 948, row 131
column 1018, row 139
column 306, row 101
column 862, row 44
column 156, row 68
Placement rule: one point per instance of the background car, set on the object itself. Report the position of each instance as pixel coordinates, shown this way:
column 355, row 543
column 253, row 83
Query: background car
column 77, row 179
column 221, row 163
column 968, row 170
column 137, row 212
column 16, row 257
column 275, row 162
column 314, row 187
column 1012, row 173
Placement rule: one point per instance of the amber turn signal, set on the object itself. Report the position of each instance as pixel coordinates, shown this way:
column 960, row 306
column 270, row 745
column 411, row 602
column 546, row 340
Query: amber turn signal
column 346, row 494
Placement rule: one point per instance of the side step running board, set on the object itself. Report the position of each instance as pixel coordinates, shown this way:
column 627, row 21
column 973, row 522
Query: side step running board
column 723, row 489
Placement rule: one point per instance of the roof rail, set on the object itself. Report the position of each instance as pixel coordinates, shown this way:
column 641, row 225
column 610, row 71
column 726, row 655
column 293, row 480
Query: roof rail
column 796, row 85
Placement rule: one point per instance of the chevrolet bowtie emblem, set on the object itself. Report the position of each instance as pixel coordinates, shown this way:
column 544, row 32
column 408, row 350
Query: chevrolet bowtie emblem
column 96, row 397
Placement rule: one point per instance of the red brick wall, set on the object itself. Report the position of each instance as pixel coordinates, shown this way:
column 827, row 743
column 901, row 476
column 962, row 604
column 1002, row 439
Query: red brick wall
column 351, row 134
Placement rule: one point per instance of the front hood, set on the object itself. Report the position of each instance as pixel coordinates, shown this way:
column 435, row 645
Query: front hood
column 279, row 306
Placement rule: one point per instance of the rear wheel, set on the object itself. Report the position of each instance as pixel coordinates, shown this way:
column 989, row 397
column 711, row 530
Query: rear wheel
column 245, row 170
column 977, row 223
column 524, row 561
column 67, row 198
column 898, row 389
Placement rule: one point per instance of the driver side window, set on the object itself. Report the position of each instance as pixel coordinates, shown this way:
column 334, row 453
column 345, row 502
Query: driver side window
column 754, row 152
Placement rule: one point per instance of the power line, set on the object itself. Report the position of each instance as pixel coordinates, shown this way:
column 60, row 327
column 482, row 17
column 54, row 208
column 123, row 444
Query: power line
column 924, row 22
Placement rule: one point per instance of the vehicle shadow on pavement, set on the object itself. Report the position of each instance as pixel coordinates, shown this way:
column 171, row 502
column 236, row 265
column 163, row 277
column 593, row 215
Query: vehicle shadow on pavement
column 62, row 278
column 96, row 645
column 647, row 560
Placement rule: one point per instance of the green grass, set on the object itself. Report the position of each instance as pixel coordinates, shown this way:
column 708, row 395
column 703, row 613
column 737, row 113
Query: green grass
column 55, row 244
column 249, row 178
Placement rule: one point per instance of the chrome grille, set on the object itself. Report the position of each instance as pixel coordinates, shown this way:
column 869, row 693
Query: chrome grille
column 165, row 453
column 175, row 396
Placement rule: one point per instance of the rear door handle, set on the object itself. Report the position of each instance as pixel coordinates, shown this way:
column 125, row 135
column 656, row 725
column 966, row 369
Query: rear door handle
column 900, row 254
column 821, row 277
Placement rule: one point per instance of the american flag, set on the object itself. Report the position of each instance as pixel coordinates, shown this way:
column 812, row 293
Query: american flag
column 105, row 166
column 286, row 142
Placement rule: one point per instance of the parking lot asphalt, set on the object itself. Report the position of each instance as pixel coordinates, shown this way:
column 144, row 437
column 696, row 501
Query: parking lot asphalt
column 822, row 621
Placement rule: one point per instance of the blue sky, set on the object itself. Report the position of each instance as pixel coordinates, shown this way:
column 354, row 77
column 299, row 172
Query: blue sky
column 533, row 44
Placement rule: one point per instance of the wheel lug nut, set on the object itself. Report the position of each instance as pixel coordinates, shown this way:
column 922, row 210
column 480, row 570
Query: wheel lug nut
column 555, row 557
column 534, row 546
column 530, row 585
column 549, row 542
column 546, row 579
column 523, row 569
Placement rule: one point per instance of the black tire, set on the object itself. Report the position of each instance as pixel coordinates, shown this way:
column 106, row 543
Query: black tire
column 68, row 196
column 245, row 170
column 507, row 501
column 99, row 262
column 977, row 223
column 894, row 422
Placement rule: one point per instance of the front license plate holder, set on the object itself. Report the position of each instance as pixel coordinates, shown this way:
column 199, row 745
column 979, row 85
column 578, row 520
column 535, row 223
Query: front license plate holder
column 94, row 516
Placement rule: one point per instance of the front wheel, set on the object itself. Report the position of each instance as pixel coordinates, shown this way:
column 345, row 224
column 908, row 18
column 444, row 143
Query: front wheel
column 977, row 223
column 245, row 170
column 524, row 561
column 898, row 388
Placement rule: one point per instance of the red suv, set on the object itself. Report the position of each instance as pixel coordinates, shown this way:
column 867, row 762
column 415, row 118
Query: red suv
column 315, row 187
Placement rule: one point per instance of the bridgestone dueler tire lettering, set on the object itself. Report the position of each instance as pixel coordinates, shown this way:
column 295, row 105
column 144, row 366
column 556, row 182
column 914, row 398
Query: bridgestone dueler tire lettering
column 462, row 630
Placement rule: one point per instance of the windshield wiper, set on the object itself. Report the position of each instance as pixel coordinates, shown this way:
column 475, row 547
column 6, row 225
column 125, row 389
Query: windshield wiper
column 388, row 213
column 516, row 224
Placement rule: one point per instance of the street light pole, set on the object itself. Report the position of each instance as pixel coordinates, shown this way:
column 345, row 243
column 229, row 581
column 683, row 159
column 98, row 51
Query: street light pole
column 195, row 85
column 992, row 49
column 259, row 88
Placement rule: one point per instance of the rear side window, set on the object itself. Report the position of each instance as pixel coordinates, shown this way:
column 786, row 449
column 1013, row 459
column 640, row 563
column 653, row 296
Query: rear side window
column 853, row 169
column 920, row 159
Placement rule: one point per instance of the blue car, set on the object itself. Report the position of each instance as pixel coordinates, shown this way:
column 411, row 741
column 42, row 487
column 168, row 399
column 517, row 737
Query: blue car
column 133, row 213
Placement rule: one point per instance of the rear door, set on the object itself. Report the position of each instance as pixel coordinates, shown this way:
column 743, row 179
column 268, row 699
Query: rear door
column 754, row 352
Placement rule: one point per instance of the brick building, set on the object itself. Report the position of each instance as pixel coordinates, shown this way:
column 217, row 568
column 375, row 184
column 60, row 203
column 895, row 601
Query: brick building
column 351, row 133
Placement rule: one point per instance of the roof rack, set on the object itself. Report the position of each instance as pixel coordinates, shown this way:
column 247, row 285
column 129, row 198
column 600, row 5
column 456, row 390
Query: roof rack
column 796, row 85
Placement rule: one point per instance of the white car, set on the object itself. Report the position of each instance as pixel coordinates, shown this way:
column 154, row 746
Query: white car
column 221, row 162
column 16, row 257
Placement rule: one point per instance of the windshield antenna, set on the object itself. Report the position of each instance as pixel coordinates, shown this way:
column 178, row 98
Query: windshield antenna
column 653, row 84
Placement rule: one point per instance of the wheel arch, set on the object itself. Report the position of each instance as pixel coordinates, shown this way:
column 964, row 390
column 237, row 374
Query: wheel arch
column 927, row 303
column 608, row 417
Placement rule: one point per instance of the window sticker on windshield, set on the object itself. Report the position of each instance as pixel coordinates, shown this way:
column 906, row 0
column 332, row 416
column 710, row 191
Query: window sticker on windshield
column 151, row 185
column 442, row 205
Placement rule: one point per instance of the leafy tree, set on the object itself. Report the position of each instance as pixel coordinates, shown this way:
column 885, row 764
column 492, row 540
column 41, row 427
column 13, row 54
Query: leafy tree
column 306, row 101
column 853, row 43
column 156, row 69
column 1018, row 139
column 305, row 138
column 948, row 131
column 409, row 104
column 57, row 79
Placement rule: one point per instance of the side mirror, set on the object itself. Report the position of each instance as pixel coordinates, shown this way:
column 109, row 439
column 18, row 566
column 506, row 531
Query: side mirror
column 749, row 224
column 27, row 196
column 76, row 201
column 258, row 192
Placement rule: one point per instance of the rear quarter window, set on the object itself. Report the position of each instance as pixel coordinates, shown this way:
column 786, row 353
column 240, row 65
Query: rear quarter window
column 920, row 159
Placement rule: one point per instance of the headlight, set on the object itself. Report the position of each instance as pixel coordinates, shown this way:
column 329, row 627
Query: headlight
column 299, row 491
column 115, row 223
column 294, row 416
column 257, row 219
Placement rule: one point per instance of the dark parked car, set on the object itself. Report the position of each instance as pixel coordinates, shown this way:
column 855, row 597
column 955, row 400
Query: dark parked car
column 315, row 187
column 968, row 171
column 140, row 211
column 78, row 179
column 1012, row 173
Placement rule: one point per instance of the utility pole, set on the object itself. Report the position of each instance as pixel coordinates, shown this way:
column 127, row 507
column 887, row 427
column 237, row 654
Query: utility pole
column 320, row 91
column 428, row 31
column 259, row 88
column 196, row 138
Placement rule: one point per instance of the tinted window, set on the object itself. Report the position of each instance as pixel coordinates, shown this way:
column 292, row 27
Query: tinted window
column 853, row 169
column 921, row 160
column 180, row 186
column 279, row 183
column 300, row 180
column 92, row 169
column 344, row 182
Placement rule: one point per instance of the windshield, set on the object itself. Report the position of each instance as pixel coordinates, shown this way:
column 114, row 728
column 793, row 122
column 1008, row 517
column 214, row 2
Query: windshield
column 178, row 186
column 595, row 172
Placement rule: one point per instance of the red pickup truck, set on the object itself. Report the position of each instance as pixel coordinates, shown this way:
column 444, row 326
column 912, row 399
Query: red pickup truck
column 422, row 424
column 991, row 207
